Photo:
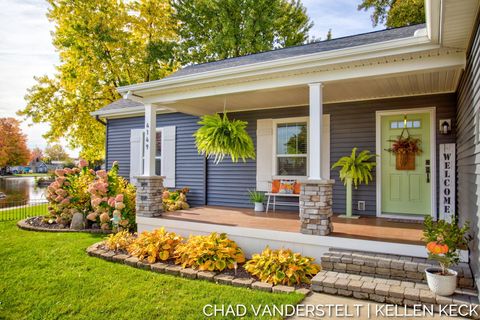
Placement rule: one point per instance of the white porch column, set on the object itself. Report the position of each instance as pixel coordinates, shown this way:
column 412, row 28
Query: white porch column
column 315, row 131
column 150, row 140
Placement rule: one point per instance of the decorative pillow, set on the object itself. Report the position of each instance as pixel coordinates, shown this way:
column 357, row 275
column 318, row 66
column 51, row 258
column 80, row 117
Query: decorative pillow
column 275, row 186
column 287, row 186
column 296, row 187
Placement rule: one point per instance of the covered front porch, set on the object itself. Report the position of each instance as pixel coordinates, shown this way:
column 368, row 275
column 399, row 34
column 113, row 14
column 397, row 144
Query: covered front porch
column 366, row 228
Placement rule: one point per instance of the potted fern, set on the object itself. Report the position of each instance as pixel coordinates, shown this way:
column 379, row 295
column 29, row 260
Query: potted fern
column 355, row 169
column 443, row 240
column 257, row 198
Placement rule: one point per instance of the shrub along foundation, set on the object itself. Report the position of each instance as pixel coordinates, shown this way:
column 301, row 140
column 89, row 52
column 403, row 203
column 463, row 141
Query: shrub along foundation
column 97, row 250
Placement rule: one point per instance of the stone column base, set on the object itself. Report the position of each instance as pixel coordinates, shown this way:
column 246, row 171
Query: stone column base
column 316, row 207
column 149, row 196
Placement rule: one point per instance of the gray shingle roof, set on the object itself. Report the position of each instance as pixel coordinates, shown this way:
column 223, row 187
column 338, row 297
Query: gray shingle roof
column 321, row 46
column 315, row 47
column 121, row 104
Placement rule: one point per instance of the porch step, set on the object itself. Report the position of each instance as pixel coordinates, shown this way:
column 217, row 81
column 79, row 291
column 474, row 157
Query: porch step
column 387, row 266
column 383, row 290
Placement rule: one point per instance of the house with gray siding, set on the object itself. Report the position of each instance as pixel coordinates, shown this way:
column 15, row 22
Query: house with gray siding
column 361, row 92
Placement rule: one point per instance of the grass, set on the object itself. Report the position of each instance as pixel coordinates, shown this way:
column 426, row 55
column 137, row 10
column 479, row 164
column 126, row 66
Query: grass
column 31, row 175
column 49, row 276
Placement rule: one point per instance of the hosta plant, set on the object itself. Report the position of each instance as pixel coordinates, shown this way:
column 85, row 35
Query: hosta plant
column 219, row 136
column 282, row 267
column 211, row 252
column 157, row 245
column 119, row 241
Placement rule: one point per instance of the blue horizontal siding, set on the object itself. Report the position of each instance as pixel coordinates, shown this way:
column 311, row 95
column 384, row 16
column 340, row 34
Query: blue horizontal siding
column 352, row 125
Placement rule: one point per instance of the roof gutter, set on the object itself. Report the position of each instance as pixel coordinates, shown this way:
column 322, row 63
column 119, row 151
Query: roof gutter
column 433, row 15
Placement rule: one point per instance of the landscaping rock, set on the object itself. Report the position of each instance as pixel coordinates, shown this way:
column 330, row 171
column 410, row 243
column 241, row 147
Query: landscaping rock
column 159, row 267
column 206, row 275
column 144, row 265
column 304, row 291
column 223, row 279
column 173, row 270
column 77, row 222
column 283, row 289
column 242, row 282
column 189, row 273
column 132, row 261
column 108, row 255
column 263, row 286
column 120, row 258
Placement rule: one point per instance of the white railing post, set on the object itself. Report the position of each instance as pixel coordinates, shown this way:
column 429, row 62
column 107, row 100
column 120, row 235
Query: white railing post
column 315, row 131
column 150, row 140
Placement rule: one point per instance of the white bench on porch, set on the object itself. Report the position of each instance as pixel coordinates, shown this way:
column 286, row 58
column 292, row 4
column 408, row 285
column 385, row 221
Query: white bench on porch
column 282, row 203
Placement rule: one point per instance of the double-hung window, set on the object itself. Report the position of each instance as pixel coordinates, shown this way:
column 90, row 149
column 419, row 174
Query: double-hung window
column 291, row 149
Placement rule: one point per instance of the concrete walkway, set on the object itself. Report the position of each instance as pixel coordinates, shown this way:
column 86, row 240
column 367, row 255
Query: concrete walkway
column 347, row 309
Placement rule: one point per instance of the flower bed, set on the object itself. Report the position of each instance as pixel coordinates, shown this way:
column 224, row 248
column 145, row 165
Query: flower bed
column 213, row 257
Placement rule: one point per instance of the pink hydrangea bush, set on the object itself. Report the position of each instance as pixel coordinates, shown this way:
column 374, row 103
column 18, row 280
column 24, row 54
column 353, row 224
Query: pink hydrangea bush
column 68, row 193
column 112, row 200
column 102, row 197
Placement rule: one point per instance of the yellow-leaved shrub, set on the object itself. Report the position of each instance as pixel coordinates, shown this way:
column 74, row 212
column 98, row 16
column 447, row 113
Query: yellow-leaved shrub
column 211, row 252
column 156, row 245
column 282, row 267
column 119, row 241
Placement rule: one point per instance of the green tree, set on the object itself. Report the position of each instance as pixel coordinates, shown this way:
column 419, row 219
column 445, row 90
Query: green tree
column 102, row 45
column 395, row 13
column 56, row 152
column 217, row 29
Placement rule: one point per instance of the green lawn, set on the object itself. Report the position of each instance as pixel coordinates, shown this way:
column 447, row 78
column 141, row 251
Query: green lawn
column 49, row 276
column 31, row 175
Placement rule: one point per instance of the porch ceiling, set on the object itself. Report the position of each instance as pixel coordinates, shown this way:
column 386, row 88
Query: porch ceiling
column 440, row 81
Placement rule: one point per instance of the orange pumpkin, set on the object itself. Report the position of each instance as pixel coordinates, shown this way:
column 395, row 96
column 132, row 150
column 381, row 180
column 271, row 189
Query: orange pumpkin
column 437, row 248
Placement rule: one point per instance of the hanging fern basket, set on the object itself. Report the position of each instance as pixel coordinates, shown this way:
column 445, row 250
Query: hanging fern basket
column 219, row 137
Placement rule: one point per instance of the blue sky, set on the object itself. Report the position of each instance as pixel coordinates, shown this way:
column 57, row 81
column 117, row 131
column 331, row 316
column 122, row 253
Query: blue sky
column 26, row 50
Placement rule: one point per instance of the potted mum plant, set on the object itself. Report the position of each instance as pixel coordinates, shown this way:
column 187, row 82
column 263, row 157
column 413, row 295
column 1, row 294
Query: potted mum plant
column 443, row 240
column 257, row 198
column 355, row 169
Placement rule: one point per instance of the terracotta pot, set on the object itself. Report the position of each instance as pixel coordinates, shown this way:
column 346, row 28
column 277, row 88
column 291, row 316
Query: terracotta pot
column 443, row 285
column 405, row 161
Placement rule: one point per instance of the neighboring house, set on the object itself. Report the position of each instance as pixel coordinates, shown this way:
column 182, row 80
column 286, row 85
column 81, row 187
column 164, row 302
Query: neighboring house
column 56, row 164
column 355, row 91
column 38, row 166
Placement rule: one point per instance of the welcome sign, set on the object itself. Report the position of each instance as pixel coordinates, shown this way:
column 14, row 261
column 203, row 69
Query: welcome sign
column 447, row 181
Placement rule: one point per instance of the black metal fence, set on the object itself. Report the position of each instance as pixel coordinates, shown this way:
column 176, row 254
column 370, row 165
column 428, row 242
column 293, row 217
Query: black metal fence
column 21, row 209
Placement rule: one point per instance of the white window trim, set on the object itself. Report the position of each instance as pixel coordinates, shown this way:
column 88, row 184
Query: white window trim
column 156, row 157
column 276, row 122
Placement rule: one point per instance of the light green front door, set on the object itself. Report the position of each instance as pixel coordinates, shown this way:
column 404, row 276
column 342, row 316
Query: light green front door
column 406, row 192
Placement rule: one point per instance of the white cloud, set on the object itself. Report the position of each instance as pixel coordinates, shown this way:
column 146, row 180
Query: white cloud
column 26, row 49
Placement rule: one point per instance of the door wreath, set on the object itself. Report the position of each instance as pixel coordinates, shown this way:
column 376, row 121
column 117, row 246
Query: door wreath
column 405, row 148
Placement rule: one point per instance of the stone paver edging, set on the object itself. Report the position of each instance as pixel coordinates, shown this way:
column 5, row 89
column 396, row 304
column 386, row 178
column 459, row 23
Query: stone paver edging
column 22, row 224
column 190, row 273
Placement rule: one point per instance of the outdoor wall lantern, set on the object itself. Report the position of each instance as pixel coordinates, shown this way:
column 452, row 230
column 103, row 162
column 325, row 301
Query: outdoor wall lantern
column 445, row 126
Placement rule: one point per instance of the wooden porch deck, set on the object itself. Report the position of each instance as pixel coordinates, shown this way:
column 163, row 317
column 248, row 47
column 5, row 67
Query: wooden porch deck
column 366, row 228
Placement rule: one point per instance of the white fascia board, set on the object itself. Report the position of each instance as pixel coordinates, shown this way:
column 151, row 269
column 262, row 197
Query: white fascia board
column 126, row 112
column 450, row 61
column 386, row 48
